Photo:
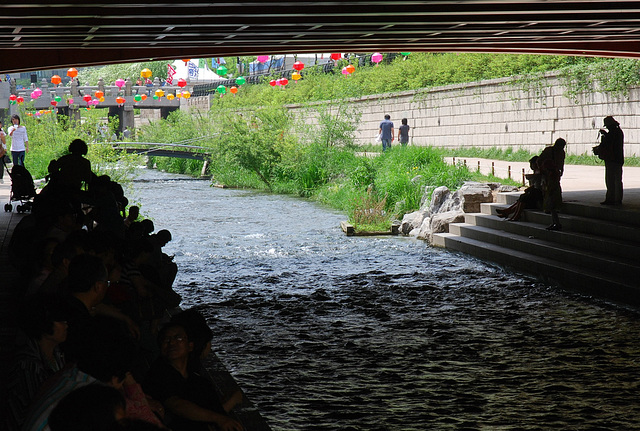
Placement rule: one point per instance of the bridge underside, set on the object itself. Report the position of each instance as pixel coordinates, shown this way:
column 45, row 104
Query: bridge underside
column 39, row 35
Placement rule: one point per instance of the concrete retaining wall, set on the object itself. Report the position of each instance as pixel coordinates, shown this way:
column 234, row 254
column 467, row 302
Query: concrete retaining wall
column 493, row 113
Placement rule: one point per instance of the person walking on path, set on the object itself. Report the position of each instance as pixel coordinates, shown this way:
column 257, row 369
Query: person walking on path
column 386, row 132
column 3, row 151
column 403, row 133
column 551, row 165
column 611, row 150
column 19, row 141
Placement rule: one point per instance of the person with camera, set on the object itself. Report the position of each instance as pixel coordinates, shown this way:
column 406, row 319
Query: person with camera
column 611, row 150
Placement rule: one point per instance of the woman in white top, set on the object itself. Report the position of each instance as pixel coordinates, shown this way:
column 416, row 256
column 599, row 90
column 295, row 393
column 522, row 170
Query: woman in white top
column 19, row 141
column 3, row 151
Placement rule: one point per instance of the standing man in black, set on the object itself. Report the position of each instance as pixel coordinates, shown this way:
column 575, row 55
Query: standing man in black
column 611, row 150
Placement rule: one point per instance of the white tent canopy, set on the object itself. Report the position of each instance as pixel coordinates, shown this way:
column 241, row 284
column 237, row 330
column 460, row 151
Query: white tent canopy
column 192, row 72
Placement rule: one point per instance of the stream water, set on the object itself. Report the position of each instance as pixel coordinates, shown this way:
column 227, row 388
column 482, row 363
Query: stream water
column 328, row 332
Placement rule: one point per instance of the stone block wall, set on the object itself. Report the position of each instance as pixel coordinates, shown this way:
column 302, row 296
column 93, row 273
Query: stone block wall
column 494, row 113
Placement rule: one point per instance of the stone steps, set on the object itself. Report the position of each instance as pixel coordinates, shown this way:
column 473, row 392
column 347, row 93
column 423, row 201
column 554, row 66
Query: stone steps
column 595, row 253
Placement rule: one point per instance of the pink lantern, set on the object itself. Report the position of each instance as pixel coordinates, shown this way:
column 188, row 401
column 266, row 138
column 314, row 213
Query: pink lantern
column 120, row 83
column 263, row 58
column 298, row 65
column 345, row 72
column 376, row 57
column 279, row 81
column 70, row 101
column 182, row 82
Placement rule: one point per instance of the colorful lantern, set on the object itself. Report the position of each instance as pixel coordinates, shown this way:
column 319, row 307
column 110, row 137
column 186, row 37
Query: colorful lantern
column 99, row 94
column 221, row 70
column 263, row 58
column 146, row 73
column 170, row 96
column 179, row 95
column 405, row 53
column 54, row 103
column 240, row 80
column 278, row 82
column 37, row 92
column 186, row 94
column 57, row 99
column 144, row 97
column 72, row 73
column 335, row 57
column 296, row 76
column 350, row 68
column 156, row 97
column 70, row 101
column 233, row 90
column 86, row 98
column 298, row 65
column 20, row 100
column 137, row 98
column 273, row 83
column 284, row 81
column 182, row 82
column 120, row 83
column 159, row 93
column 376, row 58
column 55, row 79
column 345, row 72
column 13, row 97
column 100, row 99
column 186, row 60
column 221, row 89
column 120, row 100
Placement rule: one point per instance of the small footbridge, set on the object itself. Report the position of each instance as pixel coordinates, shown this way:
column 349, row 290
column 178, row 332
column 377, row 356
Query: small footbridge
column 159, row 149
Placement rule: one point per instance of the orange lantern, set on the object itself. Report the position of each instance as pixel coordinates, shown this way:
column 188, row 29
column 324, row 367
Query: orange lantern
column 120, row 100
column 295, row 76
column 186, row 61
column 55, row 80
column 101, row 99
column 72, row 73
column 186, row 94
column 143, row 97
column 233, row 90
column 99, row 94
column 159, row 92
column 350, row 68
column 146, row 73
column 178, row 95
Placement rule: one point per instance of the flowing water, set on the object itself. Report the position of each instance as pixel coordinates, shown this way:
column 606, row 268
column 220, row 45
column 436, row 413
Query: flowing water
column 328, row 332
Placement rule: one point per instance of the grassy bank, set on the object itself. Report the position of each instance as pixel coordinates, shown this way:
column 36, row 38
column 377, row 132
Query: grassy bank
column 267, row 149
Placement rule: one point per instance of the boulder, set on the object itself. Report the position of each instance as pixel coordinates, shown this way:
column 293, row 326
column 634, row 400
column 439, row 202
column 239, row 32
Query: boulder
column 473, row 194
column 412, row 221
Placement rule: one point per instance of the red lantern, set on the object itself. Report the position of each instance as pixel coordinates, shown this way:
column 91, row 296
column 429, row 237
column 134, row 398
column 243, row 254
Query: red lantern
column 54, row 103
column 284, row 81
column 272, row 83
column 20, row 99
column 298, row 65
column 55, row 80
column 13, row 97
column 182, row 82
column 336, row 56
column 72, row 73
column 86, row 98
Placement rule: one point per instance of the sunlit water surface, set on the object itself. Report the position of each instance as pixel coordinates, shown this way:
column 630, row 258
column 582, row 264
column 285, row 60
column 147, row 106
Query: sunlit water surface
column 328, row 332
